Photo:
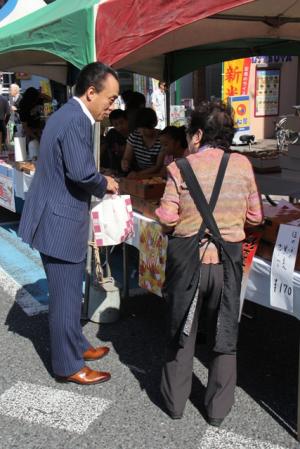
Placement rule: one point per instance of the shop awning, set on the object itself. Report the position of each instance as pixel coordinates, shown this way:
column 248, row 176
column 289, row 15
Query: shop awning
column 46, row 40
column 13, row 10
column 157, row 37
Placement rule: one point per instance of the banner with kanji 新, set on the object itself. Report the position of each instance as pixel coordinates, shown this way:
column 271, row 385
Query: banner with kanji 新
column 236, row 75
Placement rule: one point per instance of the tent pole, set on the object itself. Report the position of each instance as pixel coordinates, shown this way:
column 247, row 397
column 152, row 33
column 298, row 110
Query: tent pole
column 168, row 103
column 167, row 80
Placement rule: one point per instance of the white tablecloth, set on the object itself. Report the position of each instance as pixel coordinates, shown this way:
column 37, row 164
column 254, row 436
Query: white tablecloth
column 258, row 288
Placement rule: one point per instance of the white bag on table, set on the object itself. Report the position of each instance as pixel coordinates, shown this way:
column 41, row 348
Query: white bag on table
column 112, row 220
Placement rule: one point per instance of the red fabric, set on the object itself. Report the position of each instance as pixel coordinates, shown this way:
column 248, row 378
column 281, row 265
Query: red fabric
column 123, row 26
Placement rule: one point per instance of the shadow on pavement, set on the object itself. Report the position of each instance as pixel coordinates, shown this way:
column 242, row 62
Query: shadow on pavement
column 35, row 328
column 139, row 340
column 267, row 355
column 268, row 363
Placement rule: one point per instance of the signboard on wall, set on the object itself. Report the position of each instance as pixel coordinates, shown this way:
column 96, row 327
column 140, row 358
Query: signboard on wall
column 241, row 109
column 267, row 89
column 23, row 76
column 177, row 115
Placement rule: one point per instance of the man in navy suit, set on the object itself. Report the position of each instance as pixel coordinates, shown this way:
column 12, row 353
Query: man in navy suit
column 55, row 218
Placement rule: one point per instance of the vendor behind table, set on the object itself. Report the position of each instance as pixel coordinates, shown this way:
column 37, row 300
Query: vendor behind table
column 143, row 154
column 174, row 145
column 114, row 143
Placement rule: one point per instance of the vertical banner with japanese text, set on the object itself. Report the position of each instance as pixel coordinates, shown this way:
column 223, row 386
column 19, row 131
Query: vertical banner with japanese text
column 236, row 75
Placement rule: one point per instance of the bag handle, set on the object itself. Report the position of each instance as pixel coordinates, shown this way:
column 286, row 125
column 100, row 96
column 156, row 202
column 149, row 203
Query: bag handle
column 197, row 194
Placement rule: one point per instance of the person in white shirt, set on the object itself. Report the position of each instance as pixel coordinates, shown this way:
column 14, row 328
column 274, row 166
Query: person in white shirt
column 158, row 103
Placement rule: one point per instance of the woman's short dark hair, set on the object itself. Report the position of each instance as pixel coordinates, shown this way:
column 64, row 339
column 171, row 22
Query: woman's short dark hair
column 176, row 133
column 30, row 98
column 93, row 75
column 215, row 119
column 146, row 118
column 135, row 100
column 116, row 114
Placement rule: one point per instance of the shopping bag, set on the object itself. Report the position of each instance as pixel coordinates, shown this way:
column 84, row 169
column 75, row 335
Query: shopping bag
column 112, row 220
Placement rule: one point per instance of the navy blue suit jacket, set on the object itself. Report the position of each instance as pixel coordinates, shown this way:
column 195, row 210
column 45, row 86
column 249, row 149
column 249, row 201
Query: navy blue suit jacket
column 55, row 218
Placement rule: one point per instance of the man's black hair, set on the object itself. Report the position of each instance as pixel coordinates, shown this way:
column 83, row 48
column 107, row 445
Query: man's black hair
column 93, row 75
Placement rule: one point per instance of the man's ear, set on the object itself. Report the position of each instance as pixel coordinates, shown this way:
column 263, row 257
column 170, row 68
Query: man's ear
column 90, row 92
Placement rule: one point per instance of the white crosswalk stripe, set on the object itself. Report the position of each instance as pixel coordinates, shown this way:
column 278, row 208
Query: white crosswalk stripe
column 222, row 439
column 16, row 292
column 59, row 409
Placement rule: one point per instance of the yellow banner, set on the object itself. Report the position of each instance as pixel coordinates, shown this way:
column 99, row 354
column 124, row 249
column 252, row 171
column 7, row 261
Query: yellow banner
column 46, row 88
column 236, row 77
column 241, row 109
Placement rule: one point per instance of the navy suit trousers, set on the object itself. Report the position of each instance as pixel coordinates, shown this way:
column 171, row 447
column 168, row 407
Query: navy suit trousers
column 65, row 280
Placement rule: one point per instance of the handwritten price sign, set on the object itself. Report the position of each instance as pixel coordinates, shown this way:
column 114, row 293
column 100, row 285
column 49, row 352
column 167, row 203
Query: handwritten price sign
column 282, row 270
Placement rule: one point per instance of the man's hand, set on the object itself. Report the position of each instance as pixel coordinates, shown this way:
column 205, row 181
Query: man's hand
column 112, row 185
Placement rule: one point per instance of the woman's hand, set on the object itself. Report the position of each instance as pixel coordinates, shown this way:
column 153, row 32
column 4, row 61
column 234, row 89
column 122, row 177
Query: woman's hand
column 132, row 175
column 125, row 165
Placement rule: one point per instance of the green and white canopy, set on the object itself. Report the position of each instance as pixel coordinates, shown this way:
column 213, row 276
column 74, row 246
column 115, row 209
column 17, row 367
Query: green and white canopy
column 45, row 41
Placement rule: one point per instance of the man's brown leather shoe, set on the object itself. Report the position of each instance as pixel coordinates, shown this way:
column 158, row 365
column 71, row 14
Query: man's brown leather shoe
column 86, row 376
column 95, row 353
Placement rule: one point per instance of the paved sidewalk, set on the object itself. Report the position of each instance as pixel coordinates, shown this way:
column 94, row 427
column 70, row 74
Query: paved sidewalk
column 125, row 413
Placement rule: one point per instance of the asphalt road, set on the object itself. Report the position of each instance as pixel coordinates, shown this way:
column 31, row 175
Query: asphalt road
column 36, row 412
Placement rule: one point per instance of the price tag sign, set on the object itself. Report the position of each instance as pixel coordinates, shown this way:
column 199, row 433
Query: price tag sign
column 282, row 269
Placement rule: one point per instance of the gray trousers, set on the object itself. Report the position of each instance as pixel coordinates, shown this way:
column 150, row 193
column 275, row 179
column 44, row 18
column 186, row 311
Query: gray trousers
column 176, row 381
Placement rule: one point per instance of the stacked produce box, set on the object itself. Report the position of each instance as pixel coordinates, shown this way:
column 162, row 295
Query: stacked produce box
column 283, row 213
column 145, row 193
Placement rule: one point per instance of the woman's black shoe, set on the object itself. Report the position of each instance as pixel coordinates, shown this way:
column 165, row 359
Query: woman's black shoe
column 216, row 422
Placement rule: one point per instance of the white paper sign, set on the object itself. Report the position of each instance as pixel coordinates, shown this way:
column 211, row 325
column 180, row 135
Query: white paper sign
column 282, row 269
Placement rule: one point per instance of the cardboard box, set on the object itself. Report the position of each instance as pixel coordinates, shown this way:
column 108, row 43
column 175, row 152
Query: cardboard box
column 26, row 167
column 144, row 207
column 148, row 189
column 275, row 216
column 265, row 250
column 264, row 161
